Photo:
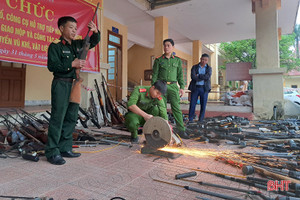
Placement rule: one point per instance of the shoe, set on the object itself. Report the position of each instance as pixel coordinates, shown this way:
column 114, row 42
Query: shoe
column 183, row 135
column 134, row 140
column 56, row 160
column 70, row 154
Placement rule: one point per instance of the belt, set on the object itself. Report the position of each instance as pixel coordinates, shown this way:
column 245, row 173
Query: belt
column 172, row 82
column 64, row 79
column 199, row 86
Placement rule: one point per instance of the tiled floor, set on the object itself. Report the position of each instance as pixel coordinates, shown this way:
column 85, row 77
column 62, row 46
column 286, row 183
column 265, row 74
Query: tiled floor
column 105, row 172
column 114, row 172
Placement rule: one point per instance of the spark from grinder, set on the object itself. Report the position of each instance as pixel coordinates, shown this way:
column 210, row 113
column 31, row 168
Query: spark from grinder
column 195, row 152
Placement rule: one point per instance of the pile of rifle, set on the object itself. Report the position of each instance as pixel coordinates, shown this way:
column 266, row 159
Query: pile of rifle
column 274, row 135
column 110, row 112
column 218, row 128
column 272, row 166
column 25, row 132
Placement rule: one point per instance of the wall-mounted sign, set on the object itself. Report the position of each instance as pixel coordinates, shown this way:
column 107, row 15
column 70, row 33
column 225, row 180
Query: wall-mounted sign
column 115, row 30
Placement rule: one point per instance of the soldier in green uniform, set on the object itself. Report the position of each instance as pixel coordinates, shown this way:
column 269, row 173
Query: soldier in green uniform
column 144, row 103
column 63, row 61
column 168, row 68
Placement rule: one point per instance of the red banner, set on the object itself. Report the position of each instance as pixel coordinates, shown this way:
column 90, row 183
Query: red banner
column 29, row 26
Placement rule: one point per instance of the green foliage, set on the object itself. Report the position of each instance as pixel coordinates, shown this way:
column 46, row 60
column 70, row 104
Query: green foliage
column 239, row 51
column 245, row 51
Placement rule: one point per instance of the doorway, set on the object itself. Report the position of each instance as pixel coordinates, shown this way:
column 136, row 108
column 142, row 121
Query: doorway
column 114, row 59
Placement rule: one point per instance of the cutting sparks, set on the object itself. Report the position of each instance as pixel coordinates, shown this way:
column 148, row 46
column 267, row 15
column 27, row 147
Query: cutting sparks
column 193, row 152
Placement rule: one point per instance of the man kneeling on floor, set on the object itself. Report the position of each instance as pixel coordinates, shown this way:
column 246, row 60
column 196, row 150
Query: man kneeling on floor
column 144, row 103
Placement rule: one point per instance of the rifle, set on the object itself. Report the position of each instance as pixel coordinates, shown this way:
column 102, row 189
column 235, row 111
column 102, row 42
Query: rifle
column 35, row 122
column 105, row 119
column 93, row 111
column 76, row 88
column 22, row 131
column 40, row 135
column 89, row 117
column 117, row 117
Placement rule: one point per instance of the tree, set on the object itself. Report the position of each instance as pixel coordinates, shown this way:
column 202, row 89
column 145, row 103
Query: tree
column 245, row 51
column 297, row 39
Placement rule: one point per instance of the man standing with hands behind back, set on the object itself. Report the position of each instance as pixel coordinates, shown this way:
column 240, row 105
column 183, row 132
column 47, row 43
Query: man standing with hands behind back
column 168, row 68
column 200, row 86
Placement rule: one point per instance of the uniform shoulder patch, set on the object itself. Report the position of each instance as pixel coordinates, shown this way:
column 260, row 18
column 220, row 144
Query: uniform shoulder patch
column 56, row 41
column 159, row 98
column 142, row 90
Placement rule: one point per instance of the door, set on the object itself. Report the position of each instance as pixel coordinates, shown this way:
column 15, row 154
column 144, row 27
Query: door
column 12, row 85
column 114, row 59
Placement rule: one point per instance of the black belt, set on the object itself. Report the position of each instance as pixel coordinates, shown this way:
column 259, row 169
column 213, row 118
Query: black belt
column 64, row 79
column 199, row 86
column 171, row 82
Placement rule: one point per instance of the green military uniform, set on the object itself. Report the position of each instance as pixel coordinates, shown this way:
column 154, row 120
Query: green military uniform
column 64, row 114
column 170, row 70
column 142, row 99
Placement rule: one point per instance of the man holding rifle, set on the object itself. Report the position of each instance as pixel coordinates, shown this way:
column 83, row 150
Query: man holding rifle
column 63, row 61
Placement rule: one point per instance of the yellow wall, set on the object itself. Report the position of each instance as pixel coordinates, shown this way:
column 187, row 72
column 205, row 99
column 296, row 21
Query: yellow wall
column 37, row 83
column 139, row 59
column 291, row 80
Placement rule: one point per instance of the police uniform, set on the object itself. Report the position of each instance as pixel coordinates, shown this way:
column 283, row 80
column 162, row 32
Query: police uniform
column 170, row 71
column 64, row 114
column 142, row 99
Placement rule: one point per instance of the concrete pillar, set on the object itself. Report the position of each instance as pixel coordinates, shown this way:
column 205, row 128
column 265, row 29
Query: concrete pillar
column 197, row 51
column 268, row 77
column 214, row 65
column 161, row 33
column 215, row 87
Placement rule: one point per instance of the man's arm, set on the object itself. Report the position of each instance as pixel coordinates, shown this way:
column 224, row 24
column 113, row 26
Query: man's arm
column 135, row 109
column 155, row 71
column 180, row 75
column 207, row 75
column 133, row 100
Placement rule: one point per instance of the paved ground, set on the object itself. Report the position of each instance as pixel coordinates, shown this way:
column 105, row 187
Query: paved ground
column 105, row 172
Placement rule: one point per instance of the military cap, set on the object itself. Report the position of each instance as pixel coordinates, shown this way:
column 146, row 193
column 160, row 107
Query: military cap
column 161, row 86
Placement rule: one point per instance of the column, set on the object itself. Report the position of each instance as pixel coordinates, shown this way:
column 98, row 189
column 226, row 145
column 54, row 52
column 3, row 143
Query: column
column 161, row 33
column 268, row 77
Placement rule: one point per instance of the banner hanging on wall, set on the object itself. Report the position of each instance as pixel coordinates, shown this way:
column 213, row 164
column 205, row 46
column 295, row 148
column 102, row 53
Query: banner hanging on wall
column 29, row 26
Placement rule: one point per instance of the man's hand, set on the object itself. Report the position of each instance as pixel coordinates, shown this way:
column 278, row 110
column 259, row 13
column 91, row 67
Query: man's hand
column 78, row 64
column 148, row 116
column 92, row 26
column 181, row 92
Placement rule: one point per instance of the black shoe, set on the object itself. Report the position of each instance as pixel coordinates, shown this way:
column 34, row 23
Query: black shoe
column 56, row 160
column 70, row 154
column 183, row 135
column 134, row 140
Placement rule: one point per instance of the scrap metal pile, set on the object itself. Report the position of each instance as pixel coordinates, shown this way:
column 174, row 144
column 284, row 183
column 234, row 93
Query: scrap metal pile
column 270, row 148
column 24, row 134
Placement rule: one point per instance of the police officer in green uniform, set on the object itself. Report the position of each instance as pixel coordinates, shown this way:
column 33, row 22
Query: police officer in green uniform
column 144, row 103
column 63, row 61
column 169, row 68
